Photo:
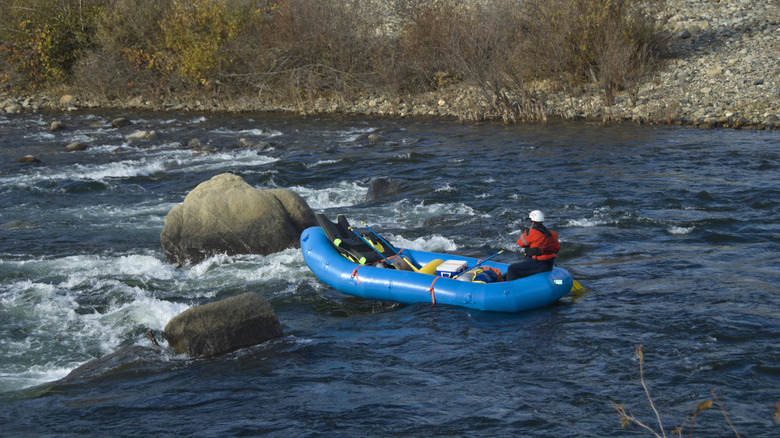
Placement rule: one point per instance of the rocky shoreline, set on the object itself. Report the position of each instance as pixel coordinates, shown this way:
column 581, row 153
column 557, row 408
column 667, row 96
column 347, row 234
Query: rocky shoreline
column 724, row 71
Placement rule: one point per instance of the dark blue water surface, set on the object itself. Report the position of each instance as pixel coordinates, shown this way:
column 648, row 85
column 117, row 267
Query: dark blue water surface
column 673, row 231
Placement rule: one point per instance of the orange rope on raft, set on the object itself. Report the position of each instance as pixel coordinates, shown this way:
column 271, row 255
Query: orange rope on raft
column 395, row 257
column 354, row 273
column 433, row 298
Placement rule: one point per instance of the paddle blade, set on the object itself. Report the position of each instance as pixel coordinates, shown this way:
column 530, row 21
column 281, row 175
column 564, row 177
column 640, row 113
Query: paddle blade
column 576, row 286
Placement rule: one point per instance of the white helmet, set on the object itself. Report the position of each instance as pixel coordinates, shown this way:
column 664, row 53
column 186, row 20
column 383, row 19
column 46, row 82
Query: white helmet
column 536, row 216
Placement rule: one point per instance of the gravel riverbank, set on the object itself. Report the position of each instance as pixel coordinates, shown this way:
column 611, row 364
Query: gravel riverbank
column 724, row 71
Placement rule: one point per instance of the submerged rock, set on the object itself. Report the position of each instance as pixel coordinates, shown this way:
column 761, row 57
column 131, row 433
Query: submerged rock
column 142, row 135
column 225, row 215
column 119, row 122
column 376, row 139
column 57, row 126
column 126, row 358
column 76, row 146
column 223, row 326
column 383, row 188
column 28, row 159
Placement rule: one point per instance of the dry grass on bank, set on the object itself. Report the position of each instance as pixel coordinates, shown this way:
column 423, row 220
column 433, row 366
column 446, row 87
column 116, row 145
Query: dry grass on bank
column 297, row 51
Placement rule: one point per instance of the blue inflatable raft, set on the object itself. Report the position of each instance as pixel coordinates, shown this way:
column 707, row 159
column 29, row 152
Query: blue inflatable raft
column 333, row 267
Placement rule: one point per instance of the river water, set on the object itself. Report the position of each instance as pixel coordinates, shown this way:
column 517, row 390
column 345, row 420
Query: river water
column 673, row 231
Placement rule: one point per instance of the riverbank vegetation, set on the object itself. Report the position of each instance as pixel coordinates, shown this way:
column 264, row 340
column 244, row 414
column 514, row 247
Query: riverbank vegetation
column 627, row 418
column 510, row 52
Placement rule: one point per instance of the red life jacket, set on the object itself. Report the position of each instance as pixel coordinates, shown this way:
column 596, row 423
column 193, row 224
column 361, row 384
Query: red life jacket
column 543, row 243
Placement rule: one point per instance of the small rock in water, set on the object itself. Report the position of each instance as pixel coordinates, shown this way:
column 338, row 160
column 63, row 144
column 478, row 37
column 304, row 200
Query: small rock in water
column 28, row 159
column 119, row 122
column 57, row 126
column 142, row 135
column 76, row 146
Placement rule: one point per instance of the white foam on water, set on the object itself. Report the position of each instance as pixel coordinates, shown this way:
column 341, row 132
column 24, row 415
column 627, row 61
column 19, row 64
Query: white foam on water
column 40, row 135
column 140, row 310
column 261, row 132
column 222, row 270
column 139, row 216
column 121, row 169
column 419, row 213
column 432, row 243
column 254, row 132
column 164, row 160
column 34, row 375
column 602, row 216
column 321, row 163
column 353, row 134
column 343, row 194
column 410, row 215
column 215, row 161
column 145, row 122
column 679, row 230
column 79, row 172
column 587, row 222
column 81, row 307
column 84, row 269
column 79, row 137
column 66, row 336
column 445, row 188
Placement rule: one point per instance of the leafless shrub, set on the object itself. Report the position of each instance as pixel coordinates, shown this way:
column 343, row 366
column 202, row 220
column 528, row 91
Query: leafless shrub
column 128, row 59
column 306, row 49
column 610, row 42
column 627, row 418
column 298, row 51
column 477, row 44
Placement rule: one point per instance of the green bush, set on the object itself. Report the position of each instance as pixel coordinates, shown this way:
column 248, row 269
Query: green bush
column 41, row 40
column 128, row 58
column 196, row 33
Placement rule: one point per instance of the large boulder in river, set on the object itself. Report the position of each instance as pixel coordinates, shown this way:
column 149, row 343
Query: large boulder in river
column 225, row 215
column 223, row 326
